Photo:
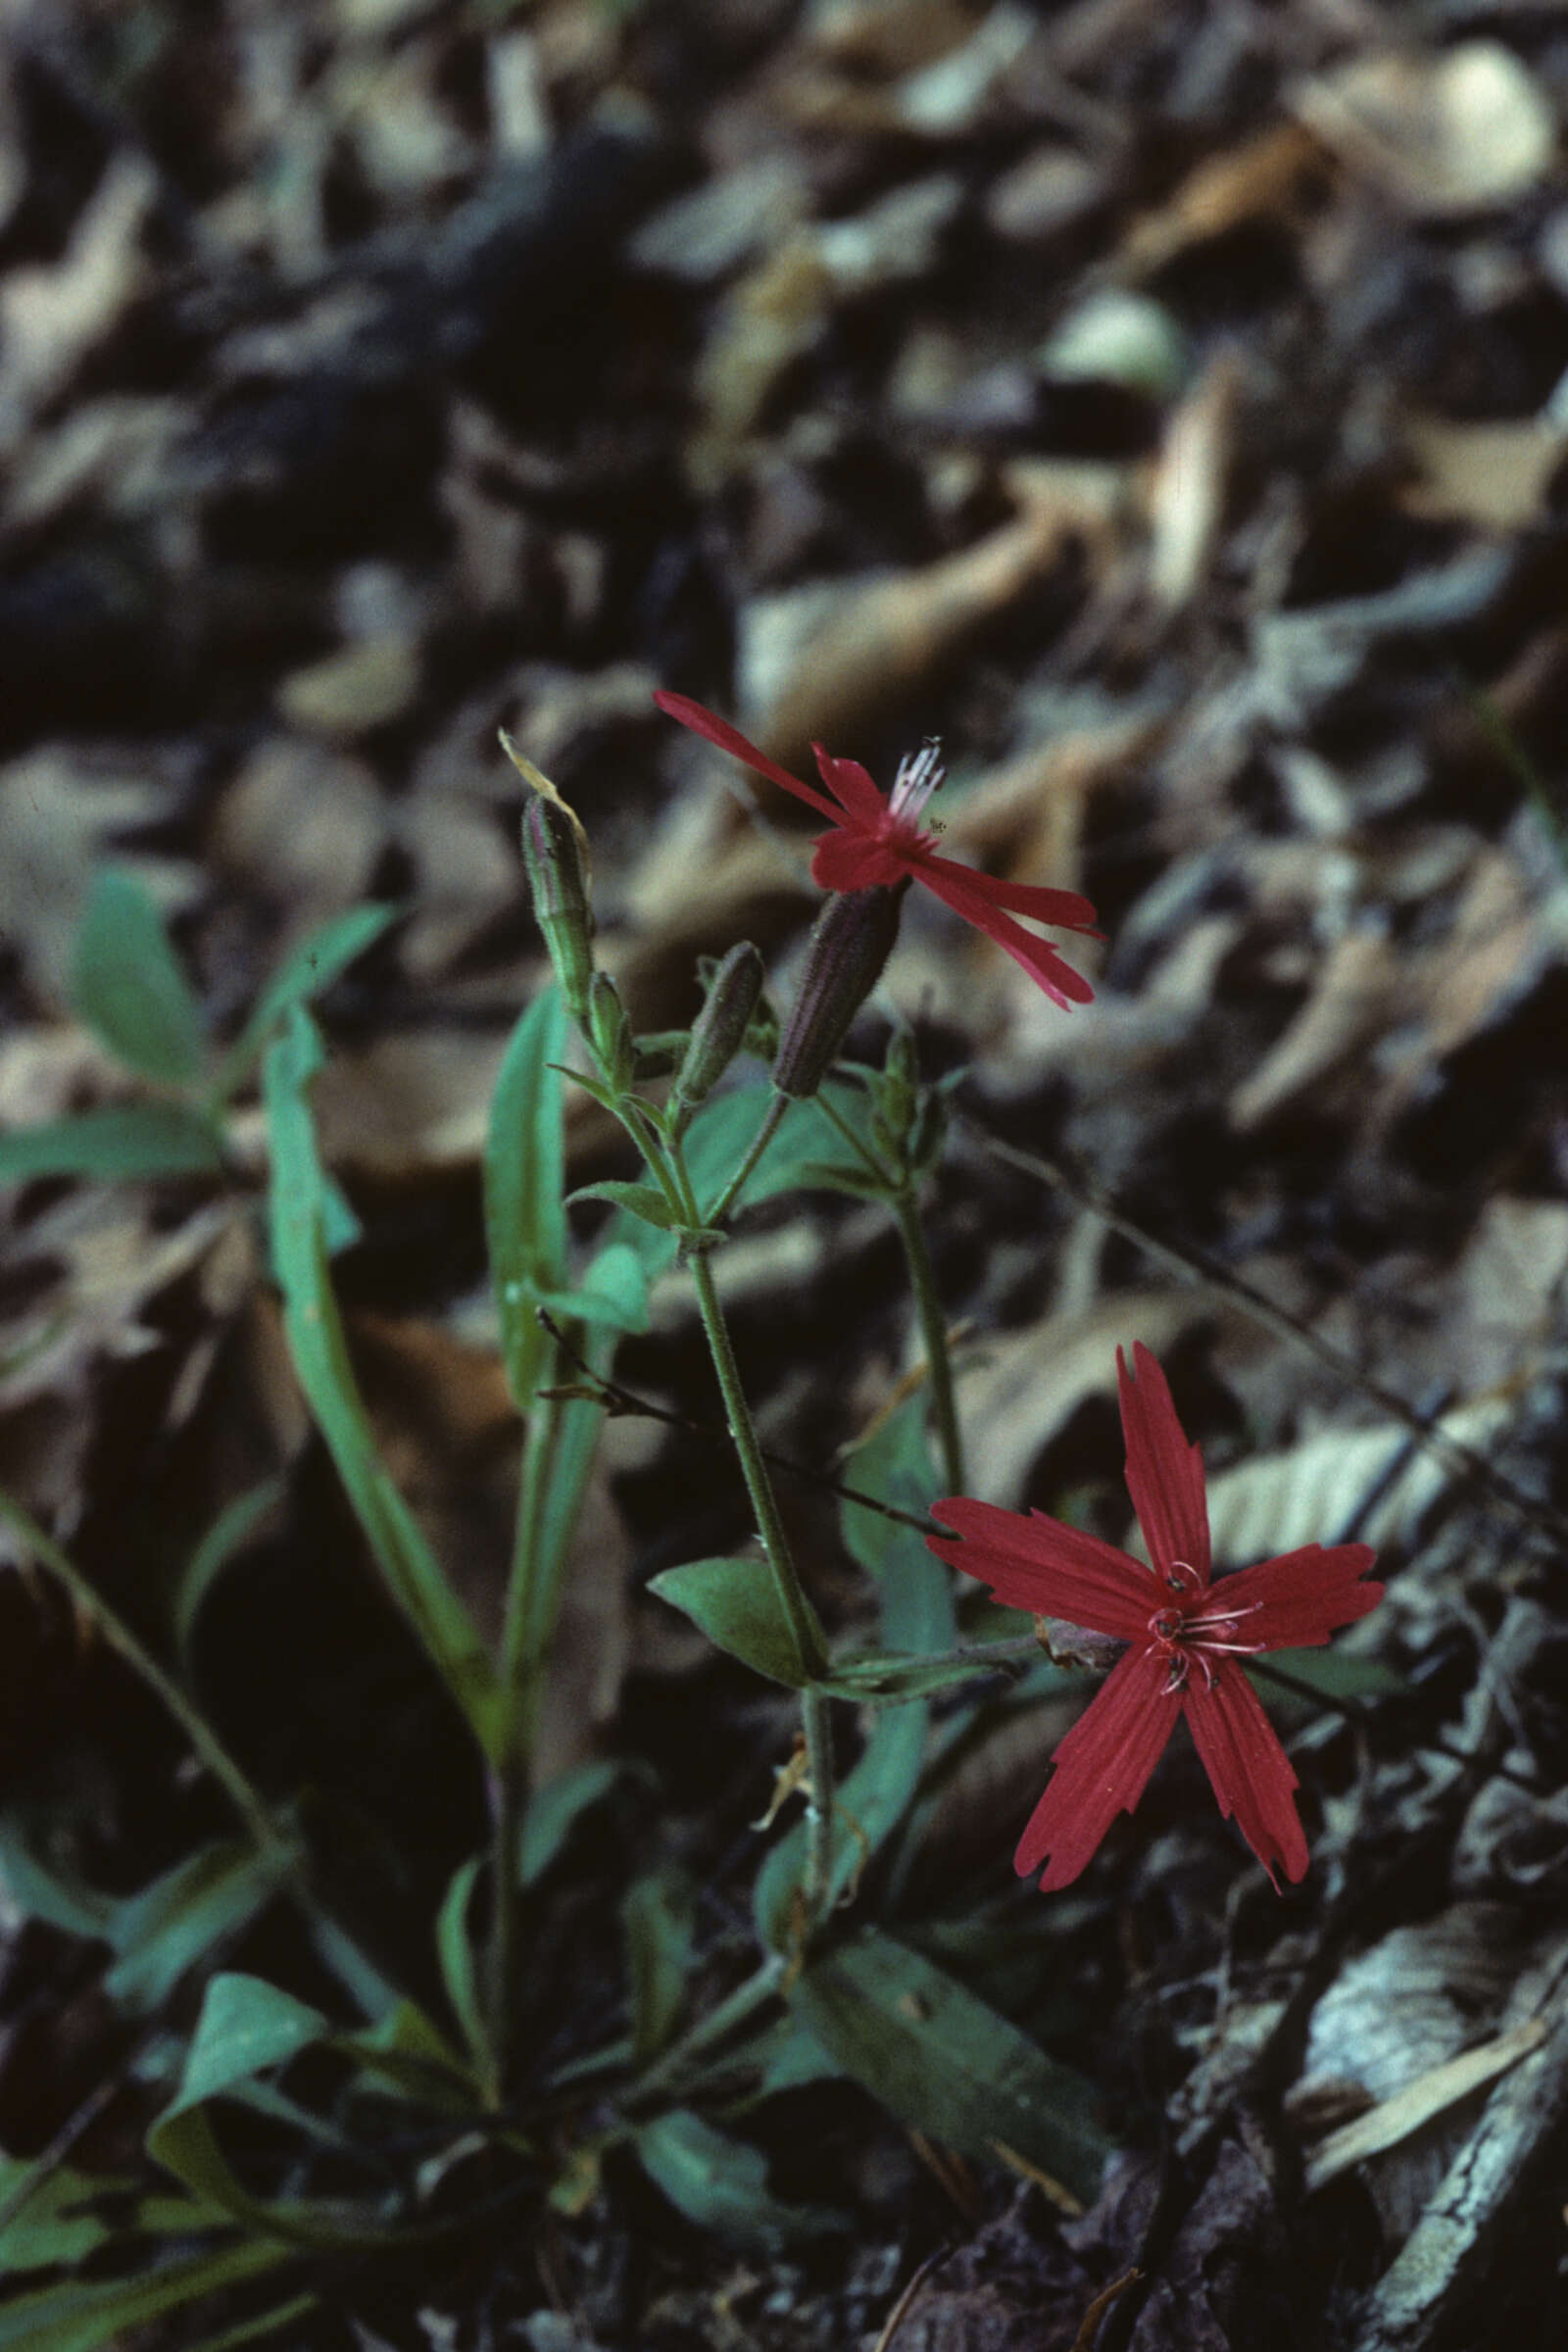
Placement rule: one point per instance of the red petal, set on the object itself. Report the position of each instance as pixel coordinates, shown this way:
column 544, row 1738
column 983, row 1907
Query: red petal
column 851, row 786
column 729, row 739
column 1301, row 1598
column 1165, row 1473
column 1249, row 1770
column 847, row 860
column 955, row 885
column 1063, row 907
column 1101, row 1768
column 1043, row 1566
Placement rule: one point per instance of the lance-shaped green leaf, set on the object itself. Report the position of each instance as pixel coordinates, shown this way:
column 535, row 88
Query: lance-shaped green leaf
column 116, row 1146
column 736, row 1605
column 248, row 2028
column 943, row 2061
column 656, row 1921
column 305, row 972
column 892, row 1677
column 85, row 2315
column 128, row 983
column 160, row 1933
column 316, row 1343
column 721, row 2185
column 524, row 1184
column 460, row 1967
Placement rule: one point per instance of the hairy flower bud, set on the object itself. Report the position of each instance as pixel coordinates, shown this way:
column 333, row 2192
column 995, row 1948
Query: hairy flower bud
column 558, row 877
column 719, row 1029
column 851, row 942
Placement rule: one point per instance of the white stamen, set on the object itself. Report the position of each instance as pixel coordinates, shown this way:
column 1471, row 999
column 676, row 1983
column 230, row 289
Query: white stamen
column 919, row 774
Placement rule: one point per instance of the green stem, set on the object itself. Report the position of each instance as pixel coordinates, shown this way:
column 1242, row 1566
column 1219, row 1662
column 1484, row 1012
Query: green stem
column 759, row 1145
column 235, row 1783
column 816, row 1714
column 933, row 1335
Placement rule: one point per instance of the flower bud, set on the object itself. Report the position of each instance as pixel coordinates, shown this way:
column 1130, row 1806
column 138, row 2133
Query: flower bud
column 851, row 942
column 558, row 877
column 719, row 1029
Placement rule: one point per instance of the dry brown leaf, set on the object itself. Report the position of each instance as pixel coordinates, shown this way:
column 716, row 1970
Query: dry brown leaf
column 892, row 638
column 1362, row 982
column 52, row 315
column 410, row 1106
column 1026, row 1385
column 301, row 825
column 58, row 816
column 1495, row 477
column 1274, row 1502
column 1026, row 817
column 1187, row 500
column 1430, row 2094
column 363, row 686
column 1265, row 178
column 1442, row 136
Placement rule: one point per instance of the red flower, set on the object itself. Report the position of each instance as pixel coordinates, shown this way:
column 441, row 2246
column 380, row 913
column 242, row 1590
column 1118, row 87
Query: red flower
column 1185, row 1638
column 876, row 842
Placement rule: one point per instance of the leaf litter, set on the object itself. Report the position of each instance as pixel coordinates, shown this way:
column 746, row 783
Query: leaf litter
column 1165, row 409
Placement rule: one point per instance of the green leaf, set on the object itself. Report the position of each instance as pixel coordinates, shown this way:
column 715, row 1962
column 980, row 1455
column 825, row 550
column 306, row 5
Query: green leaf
column 840, row 1176
column 806, row 1138
column 137, row 1140
column 165, row 1929
column 892, row 1677
column 917, row 1615
column 127, row 982
column 943, row 2061
column 408, row 2052
column 643, row 1201
column 554, row 1812
column 582, row 1306
column 1334, row 1673
column 224, row 1540
column 54, row 2217
column 736, row 1604
column 524, row 1180
column 247, row 2026
column 315, row 1332
column 308, row 969
column 459, row 1971
column 261, row 2324
column 721, row 2185
column 657, row 1918
column 85, row 2315
column 917, row 1612
column 44, row 1890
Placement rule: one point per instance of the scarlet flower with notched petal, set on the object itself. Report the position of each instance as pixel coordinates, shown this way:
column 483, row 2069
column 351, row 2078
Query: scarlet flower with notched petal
column 878, row 843
column 1186, row 1636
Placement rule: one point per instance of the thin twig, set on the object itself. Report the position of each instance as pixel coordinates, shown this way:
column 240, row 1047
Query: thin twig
column 629, row 1404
